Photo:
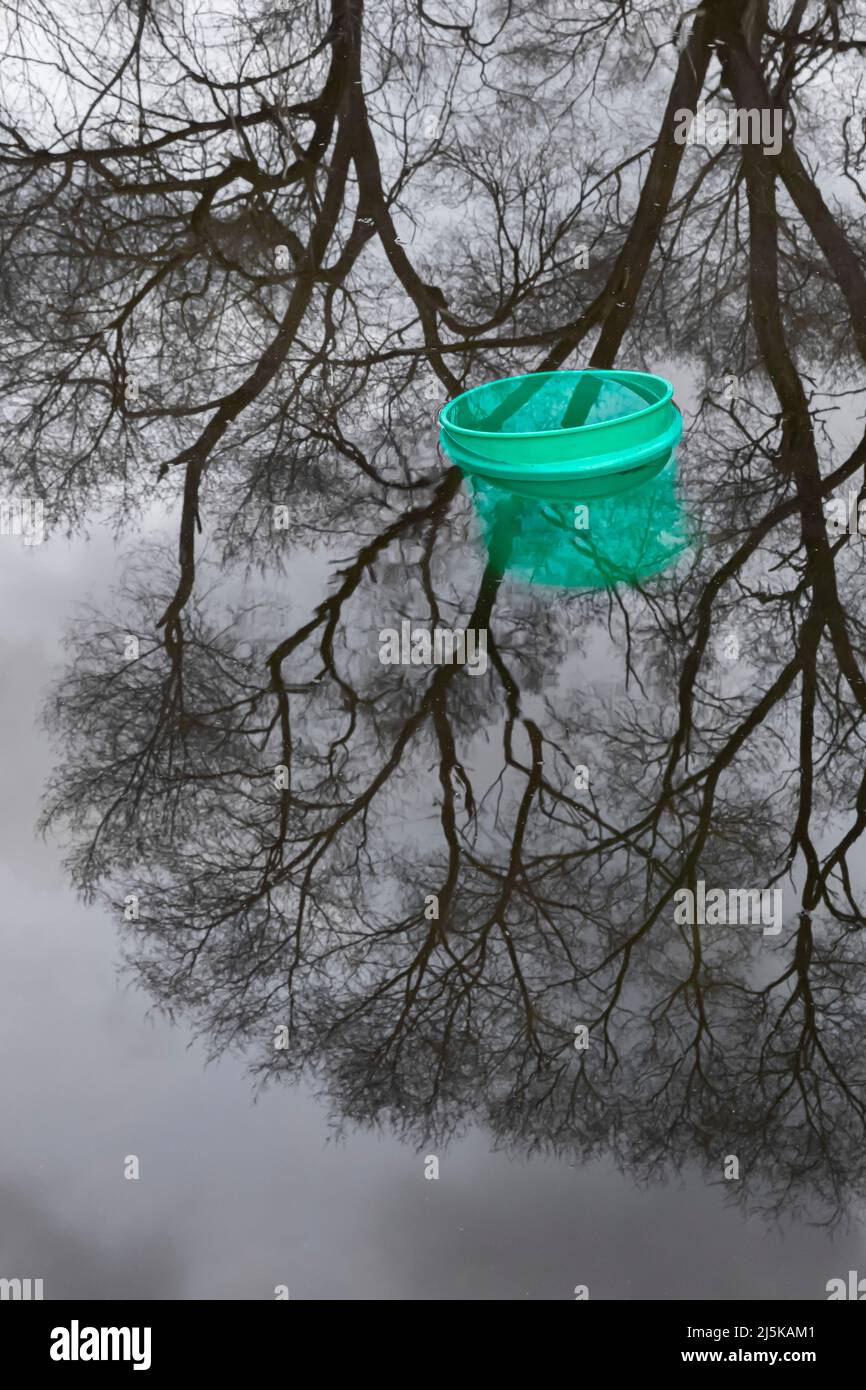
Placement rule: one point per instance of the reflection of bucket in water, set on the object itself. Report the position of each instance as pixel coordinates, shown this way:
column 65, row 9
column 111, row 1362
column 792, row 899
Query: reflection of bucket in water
column 585, row 541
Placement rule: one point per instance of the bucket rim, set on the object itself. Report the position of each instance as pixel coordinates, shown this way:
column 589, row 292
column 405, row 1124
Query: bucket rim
column 608, row 374
column 599, row 465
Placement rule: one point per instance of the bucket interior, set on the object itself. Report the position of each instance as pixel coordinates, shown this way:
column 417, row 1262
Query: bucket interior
column 548, row 401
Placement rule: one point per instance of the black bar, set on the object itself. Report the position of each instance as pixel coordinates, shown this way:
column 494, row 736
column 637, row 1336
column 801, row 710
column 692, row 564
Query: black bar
column 235, row 1336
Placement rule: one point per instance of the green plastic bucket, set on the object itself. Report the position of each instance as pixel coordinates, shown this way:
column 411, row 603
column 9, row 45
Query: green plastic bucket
column 561, row 427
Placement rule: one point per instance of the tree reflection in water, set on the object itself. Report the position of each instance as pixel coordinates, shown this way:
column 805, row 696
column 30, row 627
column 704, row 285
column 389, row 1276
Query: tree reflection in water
column 257, row 298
